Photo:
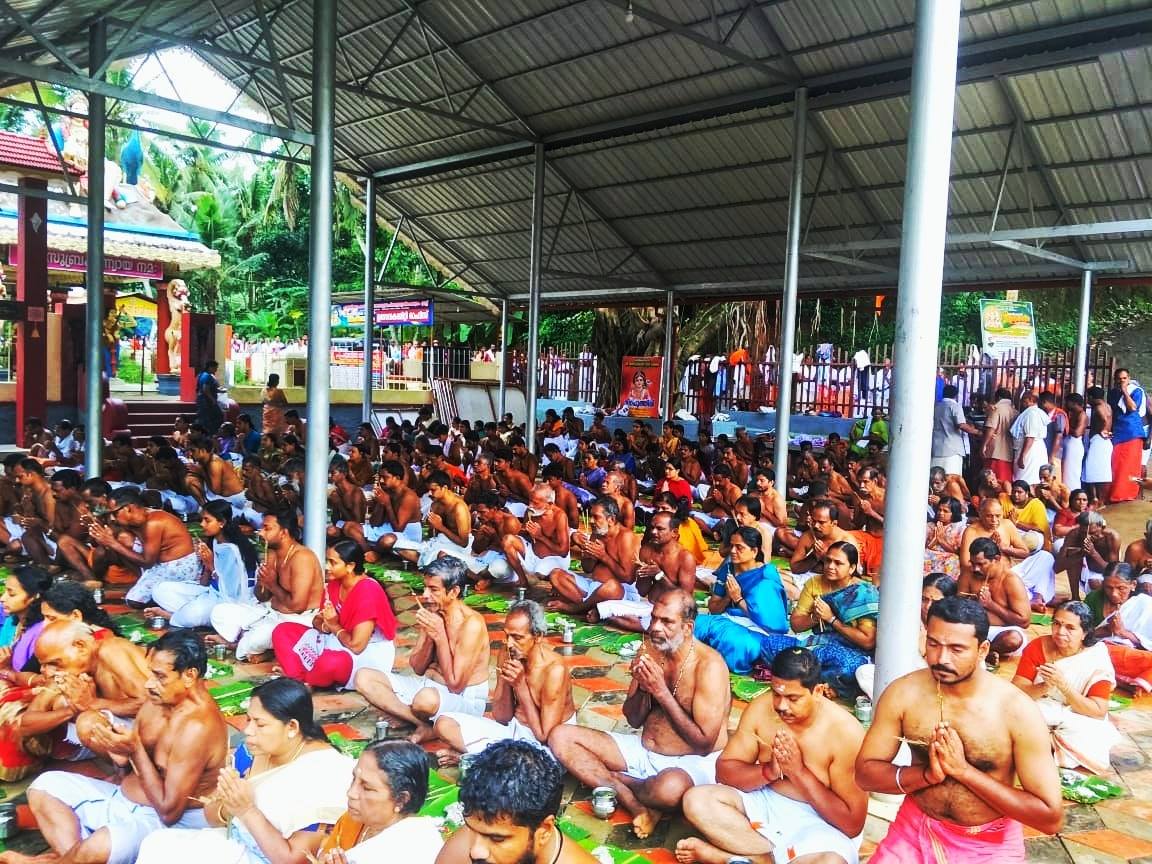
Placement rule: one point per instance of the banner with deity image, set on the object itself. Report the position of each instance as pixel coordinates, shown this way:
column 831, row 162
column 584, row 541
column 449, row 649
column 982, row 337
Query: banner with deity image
column 640, row 386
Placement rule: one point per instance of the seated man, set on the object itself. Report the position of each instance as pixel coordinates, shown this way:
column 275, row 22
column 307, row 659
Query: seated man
column 543, row 542
column 491, row 523
column 168, row 553
column 84, row 555
column 788, row 771
column 971, row 782
column 482, row 480
column 607, row 559
column 511, row 795
column 823, row 531
column 169, row 481
column 346, row 501
column 450, row 521
column 105, row 675
column 1087, row 551
column 1001, row 592
column 721, row 498
column 214, row 477
column 393, row 512
column 289, row 587
column 28, row 529
column 514, row 485
column 566, row 498
column 533, row 692
column 124, row 464
column 1035, row 567
column 664, row 566
column 450, row 658
column 679, row 698
column 174, row 752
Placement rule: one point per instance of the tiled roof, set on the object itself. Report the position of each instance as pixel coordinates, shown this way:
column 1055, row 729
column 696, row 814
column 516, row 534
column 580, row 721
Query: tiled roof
column 24, row 151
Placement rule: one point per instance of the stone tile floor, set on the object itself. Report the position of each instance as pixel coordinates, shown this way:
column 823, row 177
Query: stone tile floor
column 1110, row 832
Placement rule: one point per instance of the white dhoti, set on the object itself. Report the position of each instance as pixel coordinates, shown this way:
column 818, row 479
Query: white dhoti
column 542, row 566
column 472, row 701
column 1098, row 461
column 641, row 609
column 250, row 625
column 1072, row 462
column 641, row 763
column 1038, row 573
column 430, row 550
column 185, row 569
column 953, row 464
column 413, row 531
column 995, row 631
column 190, row 603
column 478, row 732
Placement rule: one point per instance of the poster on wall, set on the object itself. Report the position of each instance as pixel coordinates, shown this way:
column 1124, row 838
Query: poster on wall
column 1007, row 326
column 640, row 386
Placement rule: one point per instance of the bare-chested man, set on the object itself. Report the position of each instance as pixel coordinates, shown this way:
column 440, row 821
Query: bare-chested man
column 982, row 737
column 88, row 558
column 789, row 770
column 393, row 512
column 607, row 561
column 450, row 658
column 679, row 697
column 482, row 481
column 721, row 498
column 614, row 488
column 171, row 755
column 491, row 523
column 168, row 553
column 522, row 460
column 27, row 530
column 565, row 500
column 214, row 477
column 822, row 532
column 533, row 692
column 543, row 543
column 289, row 587
column 1098, row 462
column 1036, row 568
column 347, row 503
column 1138, row 555
column 664, row 566
column 514, row 486
column 773, row 507
column 1087, row 550
column 450, row 521
column 1001, row 591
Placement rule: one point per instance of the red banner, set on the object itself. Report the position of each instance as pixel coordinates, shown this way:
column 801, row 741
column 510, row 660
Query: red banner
column 640, row 386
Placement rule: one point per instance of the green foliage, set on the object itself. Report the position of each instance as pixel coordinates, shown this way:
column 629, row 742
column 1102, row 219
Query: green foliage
column 567, row 328
column 128, row 369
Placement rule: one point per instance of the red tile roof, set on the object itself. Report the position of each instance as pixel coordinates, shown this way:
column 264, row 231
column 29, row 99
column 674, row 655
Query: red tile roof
column 24, row 151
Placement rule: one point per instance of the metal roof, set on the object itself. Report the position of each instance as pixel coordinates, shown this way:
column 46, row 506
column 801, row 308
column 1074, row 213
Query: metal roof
column 667, row 130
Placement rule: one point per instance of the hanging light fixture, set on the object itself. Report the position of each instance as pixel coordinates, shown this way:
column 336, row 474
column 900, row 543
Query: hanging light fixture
column 629, row 15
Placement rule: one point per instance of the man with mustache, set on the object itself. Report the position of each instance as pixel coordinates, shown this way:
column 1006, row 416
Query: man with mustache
column 788, row 771
column 1001, row 592
column 607, row 561
column 679, row 699
column 973, row 736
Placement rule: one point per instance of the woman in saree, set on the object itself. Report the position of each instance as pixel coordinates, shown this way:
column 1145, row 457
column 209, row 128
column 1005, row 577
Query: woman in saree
column 21, row 600
column 1070, row 676
column 942, row 539
column 353, row 630
column 228, row 563
column 1122, row 618
column 286, row 785
column 840, row 609
column 748, row 606
column 388, row 789
column 1027, row 513
column 273, row 402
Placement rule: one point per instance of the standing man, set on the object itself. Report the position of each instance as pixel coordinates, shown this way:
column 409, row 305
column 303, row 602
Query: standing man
column 679, row 698
column 533, row 692
column 997, row 445
column 289, row 587
column 1126, row 398
column 789, row 770
column 172, row 756
column 948, row 429
column 1030, row 437
column 450, row 658
column 961, row 799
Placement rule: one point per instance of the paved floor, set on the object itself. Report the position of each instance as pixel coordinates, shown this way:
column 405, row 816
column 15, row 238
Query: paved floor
column 1114, row 831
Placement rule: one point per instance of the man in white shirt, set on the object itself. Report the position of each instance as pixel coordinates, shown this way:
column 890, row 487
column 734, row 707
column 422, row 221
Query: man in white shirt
column 1029, row 432
column 64, row 444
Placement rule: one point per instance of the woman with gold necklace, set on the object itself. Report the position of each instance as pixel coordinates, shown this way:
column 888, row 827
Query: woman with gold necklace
column 388, row 789
column 287, row 785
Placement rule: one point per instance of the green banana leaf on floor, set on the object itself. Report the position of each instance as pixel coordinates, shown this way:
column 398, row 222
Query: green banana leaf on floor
column 745, row 689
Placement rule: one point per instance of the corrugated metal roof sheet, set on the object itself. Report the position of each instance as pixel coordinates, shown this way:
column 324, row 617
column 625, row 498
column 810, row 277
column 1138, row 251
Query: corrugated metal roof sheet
column 1058, row 102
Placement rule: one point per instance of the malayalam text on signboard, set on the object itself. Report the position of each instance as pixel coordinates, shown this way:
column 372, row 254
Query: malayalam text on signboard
column 1007, row 326
column 387, row 312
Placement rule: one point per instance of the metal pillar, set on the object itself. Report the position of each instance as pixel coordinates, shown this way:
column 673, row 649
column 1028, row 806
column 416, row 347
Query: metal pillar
column 532, row 370
column 791, row 286
column 369, row 293
column 503, row 403
column 669, row 364
column 320, row 275
column 94, row 277
column 1081, row 374
column 917, row 330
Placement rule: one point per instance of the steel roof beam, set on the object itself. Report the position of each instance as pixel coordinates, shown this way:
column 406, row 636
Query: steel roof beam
column 36, row 72
column 1037, row 252
column 1055, row 232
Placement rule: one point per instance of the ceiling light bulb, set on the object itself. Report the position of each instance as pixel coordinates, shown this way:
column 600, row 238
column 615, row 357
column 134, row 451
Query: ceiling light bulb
column 629, row 17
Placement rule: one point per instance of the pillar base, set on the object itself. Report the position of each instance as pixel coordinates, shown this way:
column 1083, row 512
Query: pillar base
column 167, row 384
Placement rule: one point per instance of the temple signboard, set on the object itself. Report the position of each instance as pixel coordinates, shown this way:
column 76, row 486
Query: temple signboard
column 114, row 265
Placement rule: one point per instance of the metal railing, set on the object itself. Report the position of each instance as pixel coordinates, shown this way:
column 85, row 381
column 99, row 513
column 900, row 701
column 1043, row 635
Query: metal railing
column 831, row 382
column 572, row 378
